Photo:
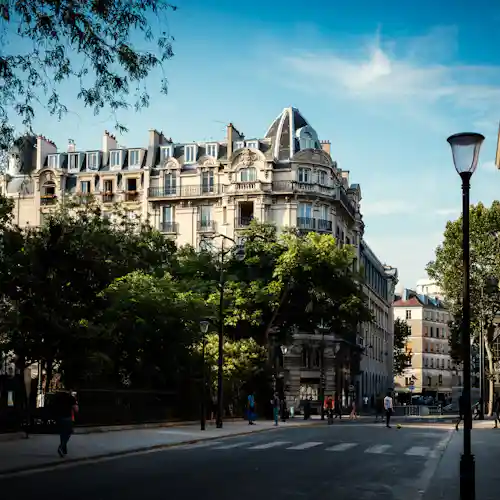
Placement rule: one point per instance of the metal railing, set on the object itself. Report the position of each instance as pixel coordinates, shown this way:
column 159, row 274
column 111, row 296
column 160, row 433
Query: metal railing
column 306, row 223
column 168, row 227
column 242, row 222
column 206, row 225
column 185, row 191
column 131, row 196
column 108, row 197
column 324, row 225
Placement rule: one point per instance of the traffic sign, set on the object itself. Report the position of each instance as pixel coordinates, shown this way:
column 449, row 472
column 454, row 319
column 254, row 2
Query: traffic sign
column 412, row 388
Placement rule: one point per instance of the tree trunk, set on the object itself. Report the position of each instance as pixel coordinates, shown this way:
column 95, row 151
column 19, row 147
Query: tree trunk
column 48, row 376
column 491, row 378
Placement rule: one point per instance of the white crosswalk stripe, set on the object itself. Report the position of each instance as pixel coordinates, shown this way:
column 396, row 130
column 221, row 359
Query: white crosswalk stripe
column 305, row 446
column 230, row 446
column 342, row 447
column 378, row 449
column 266, row 446
column 418, row 451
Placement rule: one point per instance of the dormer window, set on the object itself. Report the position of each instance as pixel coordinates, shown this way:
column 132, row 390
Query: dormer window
column 239, row 145
column 212, row 150
column 53, row 161
column 190, row 153
column 92, row 161
column 253, row 144
column 115, row 160
column 166, row 152
column 133, row 158
column 74, row 162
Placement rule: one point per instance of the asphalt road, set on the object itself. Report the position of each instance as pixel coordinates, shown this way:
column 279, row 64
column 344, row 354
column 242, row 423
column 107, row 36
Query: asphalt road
column 344, row 462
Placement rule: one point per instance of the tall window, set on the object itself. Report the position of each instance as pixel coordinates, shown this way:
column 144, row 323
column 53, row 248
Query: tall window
column 212, row 150
column 322, row 178
column 304, row 175
column 408, row 314
column 92, row 161
column 115, row 159
column 108, row 186
column 165, row 153
column 85, row 186
column 305, row 210
column 133, row 158
column 248, row 174
column 205, row 215
column 167, row 213
column 73, row 162
column 324, row 212
column 170, row 183
column 207, row 182
column 53, row 161
column 190, row 153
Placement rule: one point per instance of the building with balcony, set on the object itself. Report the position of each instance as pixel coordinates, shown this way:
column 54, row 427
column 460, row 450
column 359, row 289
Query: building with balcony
column 432, row 371
column 189, row 191
column 377, row 337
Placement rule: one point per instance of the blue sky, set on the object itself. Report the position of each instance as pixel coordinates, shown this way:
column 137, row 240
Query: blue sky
column 385, row 85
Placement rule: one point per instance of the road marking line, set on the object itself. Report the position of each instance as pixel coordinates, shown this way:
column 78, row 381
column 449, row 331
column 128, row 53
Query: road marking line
column 418, row 451
column 342, row 447
column 229, row 446
column 305, row 446
column 197, row 445
column 272, row 444
column 378, row 449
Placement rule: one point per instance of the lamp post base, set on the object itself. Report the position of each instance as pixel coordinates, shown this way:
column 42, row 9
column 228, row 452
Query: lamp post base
column 467, row 477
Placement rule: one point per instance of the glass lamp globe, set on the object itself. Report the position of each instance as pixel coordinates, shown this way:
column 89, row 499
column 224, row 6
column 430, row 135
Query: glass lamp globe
column 465, row 150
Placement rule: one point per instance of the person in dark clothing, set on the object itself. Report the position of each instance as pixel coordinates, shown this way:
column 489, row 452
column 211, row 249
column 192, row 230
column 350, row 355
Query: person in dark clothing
column 65, row 407
column 496, row 409
column 461, row 410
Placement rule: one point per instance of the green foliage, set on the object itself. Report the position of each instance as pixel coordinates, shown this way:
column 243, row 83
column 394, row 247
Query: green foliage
column 402, row 357
column 244, row 361
column 149, row 325
column 447, row 268
column 94, row 46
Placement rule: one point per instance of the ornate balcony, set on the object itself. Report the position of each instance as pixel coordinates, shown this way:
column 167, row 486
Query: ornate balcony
column 189, row 191
column 169, row 227
column 132, row 196
column 206, row 226
column 48, row 199
column 108, row 197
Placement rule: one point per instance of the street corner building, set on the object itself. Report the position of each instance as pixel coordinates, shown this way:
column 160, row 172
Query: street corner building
column 189, row 191
column 431, row 372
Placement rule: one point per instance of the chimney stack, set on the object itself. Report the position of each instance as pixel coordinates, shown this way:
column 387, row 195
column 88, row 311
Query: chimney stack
column 326, row 146
column 108, row 142
column 71, row 146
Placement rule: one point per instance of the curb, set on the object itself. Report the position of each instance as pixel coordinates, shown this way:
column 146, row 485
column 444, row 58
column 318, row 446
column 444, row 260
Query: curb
column 131, row 427
column 123, row 453
column 11, row 436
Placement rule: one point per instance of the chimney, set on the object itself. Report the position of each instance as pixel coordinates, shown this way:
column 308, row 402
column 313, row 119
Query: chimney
column 154, row 138
column 326, row 146
column 108, row 142
column 71, row 146
column 232, row 136
column 44, row 147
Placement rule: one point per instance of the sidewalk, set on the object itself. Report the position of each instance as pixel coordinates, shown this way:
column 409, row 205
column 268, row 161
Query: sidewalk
column 40, row 450
column 445, row 484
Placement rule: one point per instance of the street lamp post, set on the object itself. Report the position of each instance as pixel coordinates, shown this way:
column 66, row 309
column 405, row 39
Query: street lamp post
column 284, row 350
column 465, row 150
column 204, row 329
column 240, row 255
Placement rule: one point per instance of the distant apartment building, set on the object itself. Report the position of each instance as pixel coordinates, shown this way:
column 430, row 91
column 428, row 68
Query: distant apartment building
column 429, row 287
column 432, row 371
column 377, row 337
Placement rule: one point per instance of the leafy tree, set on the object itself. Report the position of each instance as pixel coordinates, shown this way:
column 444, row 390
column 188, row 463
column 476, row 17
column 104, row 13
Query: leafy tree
column 51, row 278
column 244, row 361
column 447, row 270
column 96, row 46
column 149, row 326
column 402, row 357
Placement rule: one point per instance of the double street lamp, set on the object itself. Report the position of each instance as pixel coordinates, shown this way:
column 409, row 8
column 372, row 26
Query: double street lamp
column 465, row 150
column 239, row 254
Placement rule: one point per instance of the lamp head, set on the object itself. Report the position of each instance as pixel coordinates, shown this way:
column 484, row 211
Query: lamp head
column 465, row 150
column 204, row 326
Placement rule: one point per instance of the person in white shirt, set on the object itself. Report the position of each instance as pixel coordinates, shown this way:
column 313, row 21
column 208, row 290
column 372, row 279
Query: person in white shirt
column 388, row 409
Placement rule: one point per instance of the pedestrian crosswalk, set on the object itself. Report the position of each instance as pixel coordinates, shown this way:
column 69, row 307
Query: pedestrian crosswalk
column 339, row 447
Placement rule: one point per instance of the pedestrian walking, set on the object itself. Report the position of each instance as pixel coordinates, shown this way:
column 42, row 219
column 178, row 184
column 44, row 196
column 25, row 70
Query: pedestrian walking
column 329, row 409
column 496, row 409
column 388, row 409
column 65, row 408
column 353, row 415
column 461, row 410
column 251, row 409
column 275, row 402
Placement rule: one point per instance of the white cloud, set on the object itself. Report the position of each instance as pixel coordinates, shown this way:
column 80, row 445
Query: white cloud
column 447, row 211
column 489, row 166
column 398, row 72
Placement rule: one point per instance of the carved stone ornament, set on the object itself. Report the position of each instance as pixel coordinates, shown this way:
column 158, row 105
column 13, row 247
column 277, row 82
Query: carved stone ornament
column 171, row 164
column 247, row 158
column 48, row 177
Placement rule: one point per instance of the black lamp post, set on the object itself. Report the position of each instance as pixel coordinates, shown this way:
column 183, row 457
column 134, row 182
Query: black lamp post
column 239, row 254
column 204, row 329
column 465, row 150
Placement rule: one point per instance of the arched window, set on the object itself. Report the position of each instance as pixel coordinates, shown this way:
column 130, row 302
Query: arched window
column 248, row 174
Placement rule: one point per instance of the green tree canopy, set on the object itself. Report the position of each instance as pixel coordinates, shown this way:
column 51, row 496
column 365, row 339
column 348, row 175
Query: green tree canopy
column 104, row 49
column 402, row 357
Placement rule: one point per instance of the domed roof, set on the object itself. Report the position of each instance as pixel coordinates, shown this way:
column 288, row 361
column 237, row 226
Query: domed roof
column 290, row 133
